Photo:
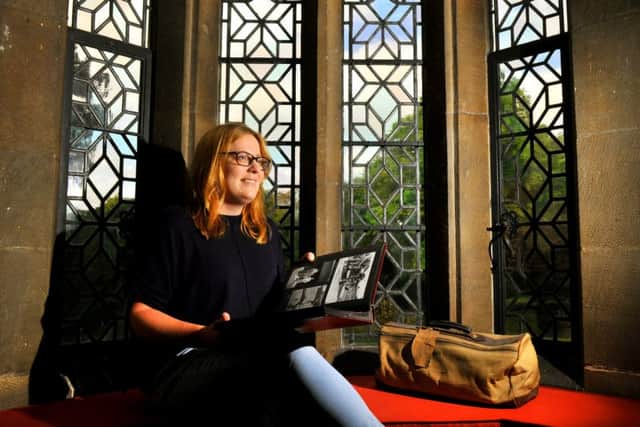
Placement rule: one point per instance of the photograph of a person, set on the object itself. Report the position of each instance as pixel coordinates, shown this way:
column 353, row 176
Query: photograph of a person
column 302, row 275
column 306, row 297
column 310, row 275
column 350, row 278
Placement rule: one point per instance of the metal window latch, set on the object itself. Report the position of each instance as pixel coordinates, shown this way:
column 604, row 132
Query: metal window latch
column 506, row 229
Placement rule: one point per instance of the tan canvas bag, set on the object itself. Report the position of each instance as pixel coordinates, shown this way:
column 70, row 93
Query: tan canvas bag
column 458, row 364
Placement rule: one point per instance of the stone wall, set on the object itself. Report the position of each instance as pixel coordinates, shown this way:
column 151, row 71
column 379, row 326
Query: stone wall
column 606, row 61
column 32, row 50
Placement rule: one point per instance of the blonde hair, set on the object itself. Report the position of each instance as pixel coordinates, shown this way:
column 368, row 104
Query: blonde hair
column 209, row 188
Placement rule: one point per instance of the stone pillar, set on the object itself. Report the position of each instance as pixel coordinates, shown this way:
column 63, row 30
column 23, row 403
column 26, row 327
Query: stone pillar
column 466, row 47
column 185, row 49
column 200, row 85
column 329, row 137
column 606, row 60
column 32, row 52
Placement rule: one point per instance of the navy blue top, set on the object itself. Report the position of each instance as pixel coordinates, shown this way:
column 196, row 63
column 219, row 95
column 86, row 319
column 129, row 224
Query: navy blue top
column 196, row 279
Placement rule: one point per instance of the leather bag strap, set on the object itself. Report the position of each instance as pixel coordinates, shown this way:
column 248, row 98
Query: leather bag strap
column 422, row 346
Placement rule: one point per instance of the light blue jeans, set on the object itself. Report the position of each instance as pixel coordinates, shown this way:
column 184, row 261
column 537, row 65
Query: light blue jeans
column 330, row 389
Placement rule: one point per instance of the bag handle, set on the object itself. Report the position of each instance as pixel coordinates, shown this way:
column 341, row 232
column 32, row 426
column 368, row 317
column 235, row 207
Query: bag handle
column 423, row 345
column 447, row 324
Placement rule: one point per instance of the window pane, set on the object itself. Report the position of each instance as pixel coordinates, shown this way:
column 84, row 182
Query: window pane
column 123, row 20
column 516, row 22
column 383, row 151
column 534, row 174
column 260, row 69
column 105, row 117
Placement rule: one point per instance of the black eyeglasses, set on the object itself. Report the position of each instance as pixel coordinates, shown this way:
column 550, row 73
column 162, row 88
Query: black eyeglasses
column 245, row 159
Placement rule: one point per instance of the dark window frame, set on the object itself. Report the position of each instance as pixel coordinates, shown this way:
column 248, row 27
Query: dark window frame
column 567, row 356
column 305, row 230
column 434, row 185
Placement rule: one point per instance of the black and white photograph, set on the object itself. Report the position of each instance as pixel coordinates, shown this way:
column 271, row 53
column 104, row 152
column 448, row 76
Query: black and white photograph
column 302, row 275
column 311, row 275
column 350, row 278
column 306, row 297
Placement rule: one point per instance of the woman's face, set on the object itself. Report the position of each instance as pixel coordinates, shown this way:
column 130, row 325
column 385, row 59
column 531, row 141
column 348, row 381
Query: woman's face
column 243, row 182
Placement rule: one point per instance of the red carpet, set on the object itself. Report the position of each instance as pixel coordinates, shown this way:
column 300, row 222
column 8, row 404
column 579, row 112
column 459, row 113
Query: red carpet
column 104, row 410
column 552, row 407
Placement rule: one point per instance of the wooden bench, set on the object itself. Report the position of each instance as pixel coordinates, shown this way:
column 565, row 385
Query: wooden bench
column 552, row 407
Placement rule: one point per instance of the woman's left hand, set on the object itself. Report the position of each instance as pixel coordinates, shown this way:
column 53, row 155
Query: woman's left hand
column 208, row 335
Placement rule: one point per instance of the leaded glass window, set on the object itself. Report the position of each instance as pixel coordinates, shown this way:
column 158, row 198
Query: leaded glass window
column 105, row 115
column 123, row 20
column 383, row 150
column 535, row 253
column 261, row 58
column 105, row 124
column 517, row 22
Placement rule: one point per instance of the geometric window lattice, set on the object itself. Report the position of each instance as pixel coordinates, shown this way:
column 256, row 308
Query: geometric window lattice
column 123, row 20
column 104, row 128
column 383, row 153
column 260, row 85
column 516, row 22
column 534, row 248
column 537, row 277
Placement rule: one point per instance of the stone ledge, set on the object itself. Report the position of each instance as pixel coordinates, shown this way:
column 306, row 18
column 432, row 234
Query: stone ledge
column 14, row 391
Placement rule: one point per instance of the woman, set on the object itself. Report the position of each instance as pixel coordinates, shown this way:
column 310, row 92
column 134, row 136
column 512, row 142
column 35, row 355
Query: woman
column 217, row 261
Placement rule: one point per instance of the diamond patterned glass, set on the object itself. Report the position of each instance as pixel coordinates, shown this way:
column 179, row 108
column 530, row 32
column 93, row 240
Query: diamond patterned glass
column 123, row 20
column 260, row 85
column 104, row 126
column 537, row 266
column 516, row 22
column 383, row 151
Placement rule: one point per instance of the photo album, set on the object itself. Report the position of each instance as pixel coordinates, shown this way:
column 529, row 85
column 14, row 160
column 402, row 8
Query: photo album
column 336, row 290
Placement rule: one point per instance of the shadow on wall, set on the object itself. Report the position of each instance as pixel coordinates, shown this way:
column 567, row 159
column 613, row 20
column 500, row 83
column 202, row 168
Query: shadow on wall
column 89, row 287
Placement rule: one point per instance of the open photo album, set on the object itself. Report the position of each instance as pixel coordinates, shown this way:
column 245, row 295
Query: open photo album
column 335, row 291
